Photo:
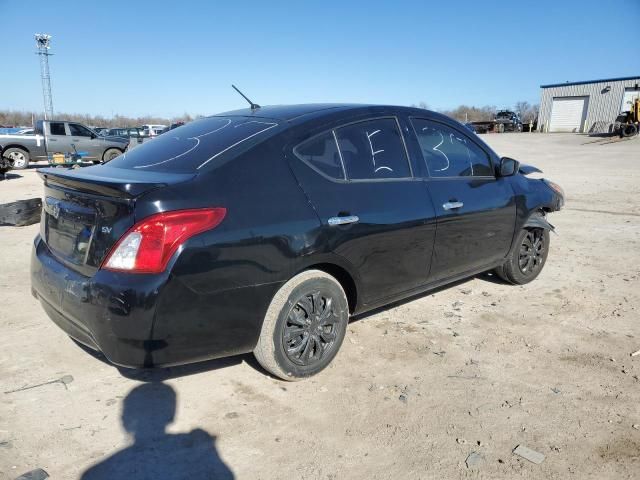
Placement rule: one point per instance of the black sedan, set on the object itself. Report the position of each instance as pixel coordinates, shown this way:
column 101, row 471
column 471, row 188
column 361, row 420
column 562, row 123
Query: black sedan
column 262, row 230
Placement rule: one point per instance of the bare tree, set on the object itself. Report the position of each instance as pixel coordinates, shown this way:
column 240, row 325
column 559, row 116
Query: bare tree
column 22, row 118
column 522, row 108
column 527, row 112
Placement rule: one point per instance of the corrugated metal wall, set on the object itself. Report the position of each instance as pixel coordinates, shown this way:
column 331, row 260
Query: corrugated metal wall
column 603, row 107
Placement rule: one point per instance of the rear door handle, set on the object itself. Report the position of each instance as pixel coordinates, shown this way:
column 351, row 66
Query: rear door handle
column 452, row 205
column 333, row 221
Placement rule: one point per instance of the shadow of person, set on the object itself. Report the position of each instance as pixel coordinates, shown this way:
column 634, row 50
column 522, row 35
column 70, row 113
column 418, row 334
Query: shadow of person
column 147, row 410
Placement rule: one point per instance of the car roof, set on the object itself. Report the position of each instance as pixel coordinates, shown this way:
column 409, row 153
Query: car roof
column 310, row 111
column 289, row 112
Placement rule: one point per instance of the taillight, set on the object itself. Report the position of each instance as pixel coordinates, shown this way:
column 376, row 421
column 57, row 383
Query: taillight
column 149, row 245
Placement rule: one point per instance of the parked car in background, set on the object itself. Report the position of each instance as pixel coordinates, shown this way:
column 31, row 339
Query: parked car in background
column 135, row 135
column 102, row 131
column 264, row 229
column 153, row 130
column 172, row 127
column 127, row 132
column 68, row 138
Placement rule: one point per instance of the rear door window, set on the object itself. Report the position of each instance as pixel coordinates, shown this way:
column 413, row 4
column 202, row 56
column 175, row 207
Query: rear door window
column 373, row 150
column 57, row 128
column 450, row 153
column 196, row 144
column 321, row 153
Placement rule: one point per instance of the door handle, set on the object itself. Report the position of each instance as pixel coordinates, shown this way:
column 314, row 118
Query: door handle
column 452, row 205
column 333, row 221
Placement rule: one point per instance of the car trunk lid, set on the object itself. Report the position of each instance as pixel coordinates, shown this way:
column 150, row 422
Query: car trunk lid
column 85, row 212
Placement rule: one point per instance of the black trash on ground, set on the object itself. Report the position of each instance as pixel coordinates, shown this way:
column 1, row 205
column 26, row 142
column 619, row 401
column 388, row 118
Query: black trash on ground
column 21, row 213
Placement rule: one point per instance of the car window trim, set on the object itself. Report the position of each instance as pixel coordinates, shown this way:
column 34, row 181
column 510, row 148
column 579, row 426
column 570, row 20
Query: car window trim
column 430, row 177
column 313, row 167
column 345, row 178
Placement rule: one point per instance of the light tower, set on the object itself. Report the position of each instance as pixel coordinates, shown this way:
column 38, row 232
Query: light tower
column 43, row 43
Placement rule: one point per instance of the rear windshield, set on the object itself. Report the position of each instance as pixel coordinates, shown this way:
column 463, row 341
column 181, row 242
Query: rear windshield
column 190, row 147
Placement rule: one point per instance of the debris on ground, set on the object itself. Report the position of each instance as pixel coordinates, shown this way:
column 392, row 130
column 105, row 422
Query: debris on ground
column 21, row 213
column 473, row 460
column 528, row 454
column 637, row 352
column 37, row 474
column 65, row 380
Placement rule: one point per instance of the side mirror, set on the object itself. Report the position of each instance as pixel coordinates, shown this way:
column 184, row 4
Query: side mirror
column 93, row 135
column 508, row 167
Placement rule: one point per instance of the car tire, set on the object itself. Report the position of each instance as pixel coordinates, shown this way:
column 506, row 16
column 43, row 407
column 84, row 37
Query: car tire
column 18, row 158
column 500, row 128
column 528, row 257
column 628, row 130
column 304, row 327
column 110, row 154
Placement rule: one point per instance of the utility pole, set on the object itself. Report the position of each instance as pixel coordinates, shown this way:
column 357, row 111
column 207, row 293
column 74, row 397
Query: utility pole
column 43, row 43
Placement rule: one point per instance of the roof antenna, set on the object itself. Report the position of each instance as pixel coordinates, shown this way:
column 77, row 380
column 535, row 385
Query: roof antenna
column 254, row 106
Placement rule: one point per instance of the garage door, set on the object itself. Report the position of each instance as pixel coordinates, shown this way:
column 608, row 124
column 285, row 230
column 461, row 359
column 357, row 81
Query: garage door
column 568, row 114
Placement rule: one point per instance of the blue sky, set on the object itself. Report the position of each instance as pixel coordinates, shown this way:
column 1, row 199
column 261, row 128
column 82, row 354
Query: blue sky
column 167, row 58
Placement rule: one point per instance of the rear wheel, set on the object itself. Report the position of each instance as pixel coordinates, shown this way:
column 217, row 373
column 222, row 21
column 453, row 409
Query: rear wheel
column 527, row 260
column 304, row 326
column 110, row 154
column 18, row 158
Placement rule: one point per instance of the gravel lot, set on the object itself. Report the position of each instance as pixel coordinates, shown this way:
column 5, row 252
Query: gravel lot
column 477, row 367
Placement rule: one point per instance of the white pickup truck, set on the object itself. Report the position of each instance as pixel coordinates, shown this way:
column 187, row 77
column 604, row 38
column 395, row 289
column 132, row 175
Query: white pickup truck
column 52, row 137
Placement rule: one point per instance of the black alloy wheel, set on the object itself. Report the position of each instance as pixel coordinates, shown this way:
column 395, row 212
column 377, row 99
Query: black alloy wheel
column 532, row 250
column 304, row 326
column 527, row 258
column 309, row 333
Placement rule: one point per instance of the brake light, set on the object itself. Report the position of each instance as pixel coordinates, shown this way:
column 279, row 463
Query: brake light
column 149, row 245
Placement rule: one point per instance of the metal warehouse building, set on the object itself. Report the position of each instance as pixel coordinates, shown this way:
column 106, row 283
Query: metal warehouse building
column 588, row 107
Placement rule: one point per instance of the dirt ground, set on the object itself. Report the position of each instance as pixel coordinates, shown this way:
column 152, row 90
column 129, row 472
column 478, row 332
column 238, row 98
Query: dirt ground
column 477, row 367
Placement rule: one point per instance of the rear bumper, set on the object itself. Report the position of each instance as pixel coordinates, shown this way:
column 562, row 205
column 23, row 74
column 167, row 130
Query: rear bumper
column 104, row 312
column 147, row 320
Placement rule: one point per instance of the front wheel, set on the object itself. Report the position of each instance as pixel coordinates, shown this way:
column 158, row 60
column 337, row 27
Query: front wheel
column 527, row 259
column 304, row 326
column 18, row 158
